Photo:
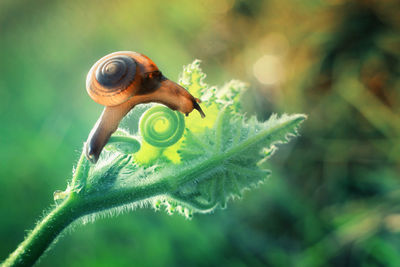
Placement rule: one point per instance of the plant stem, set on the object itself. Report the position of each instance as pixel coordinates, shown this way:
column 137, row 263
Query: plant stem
column 39, row 239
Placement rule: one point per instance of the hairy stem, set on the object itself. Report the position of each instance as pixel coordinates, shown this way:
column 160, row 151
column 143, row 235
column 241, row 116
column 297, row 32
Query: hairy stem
column 39, row 239
column 82, row 199
column 47, row 230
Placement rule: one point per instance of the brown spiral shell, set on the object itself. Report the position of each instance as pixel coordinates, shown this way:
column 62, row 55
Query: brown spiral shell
column 113, row 79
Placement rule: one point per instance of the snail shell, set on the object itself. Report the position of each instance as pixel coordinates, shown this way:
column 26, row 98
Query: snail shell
column 114, row 78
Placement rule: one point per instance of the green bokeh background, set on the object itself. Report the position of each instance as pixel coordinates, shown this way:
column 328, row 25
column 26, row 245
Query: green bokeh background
column 333, row 198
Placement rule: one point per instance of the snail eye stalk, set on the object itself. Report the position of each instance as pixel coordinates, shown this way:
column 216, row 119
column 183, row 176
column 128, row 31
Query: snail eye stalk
column 197, row 107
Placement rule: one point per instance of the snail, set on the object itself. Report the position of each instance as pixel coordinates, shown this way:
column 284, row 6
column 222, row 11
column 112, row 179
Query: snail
column 122, row 80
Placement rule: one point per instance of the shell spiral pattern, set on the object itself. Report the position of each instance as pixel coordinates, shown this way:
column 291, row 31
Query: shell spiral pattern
column 116, row 73
column 112, row 80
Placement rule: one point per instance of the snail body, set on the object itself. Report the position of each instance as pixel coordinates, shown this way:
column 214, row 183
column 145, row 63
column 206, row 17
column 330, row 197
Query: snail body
column 122, row 80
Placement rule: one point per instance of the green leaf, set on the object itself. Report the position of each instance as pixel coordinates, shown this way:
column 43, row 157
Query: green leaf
column 218, row 157
column 228, row 155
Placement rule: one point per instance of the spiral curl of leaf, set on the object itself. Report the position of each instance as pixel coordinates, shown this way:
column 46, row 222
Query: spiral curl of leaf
column 161, row 127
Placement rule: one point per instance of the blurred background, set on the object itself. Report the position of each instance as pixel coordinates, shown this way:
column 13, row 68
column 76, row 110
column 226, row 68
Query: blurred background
column 333, row 198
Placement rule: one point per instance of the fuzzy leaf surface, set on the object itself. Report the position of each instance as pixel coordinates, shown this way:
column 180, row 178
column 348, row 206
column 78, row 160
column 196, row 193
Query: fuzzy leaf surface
column 216, row 159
